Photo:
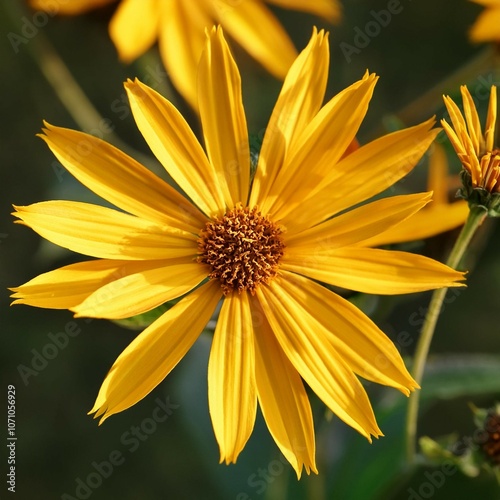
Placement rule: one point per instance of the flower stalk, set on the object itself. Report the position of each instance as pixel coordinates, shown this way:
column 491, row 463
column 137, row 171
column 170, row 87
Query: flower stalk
column 474, row 220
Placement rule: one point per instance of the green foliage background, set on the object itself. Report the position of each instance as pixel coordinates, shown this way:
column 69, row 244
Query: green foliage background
column 58, row 443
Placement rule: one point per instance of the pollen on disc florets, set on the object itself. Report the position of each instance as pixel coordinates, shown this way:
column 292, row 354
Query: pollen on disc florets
column 243, row 249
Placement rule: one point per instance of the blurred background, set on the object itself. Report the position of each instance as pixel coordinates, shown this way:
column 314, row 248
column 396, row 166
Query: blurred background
column 62, row 452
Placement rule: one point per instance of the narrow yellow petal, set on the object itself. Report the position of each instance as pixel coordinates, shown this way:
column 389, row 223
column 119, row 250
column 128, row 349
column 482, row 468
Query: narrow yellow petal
column 455, row 115
column 68, row 286
column 259, row 32
column 328, row 9
column 457, row 144
column 105, row 233
column 358, row 224
column 491, row 119
column 300, row 99
column 121, row 180
column 174, row 144
column 232, row 395
column 308, row 347
column 181, row 42
column 437, row 178
column 472, row 119
column 153, row 354
column 364, row 173
column 320, row 146
column 142, row 287
column 350, row 333
column 134, row 27
column 371, row 270
column 435, row 219
column 223, row 118
column 283, row 398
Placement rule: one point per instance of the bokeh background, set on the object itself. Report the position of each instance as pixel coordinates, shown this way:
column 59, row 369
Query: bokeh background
column 59, row 446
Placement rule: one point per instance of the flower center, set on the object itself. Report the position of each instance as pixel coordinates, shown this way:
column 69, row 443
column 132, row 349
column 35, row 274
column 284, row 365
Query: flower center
column 490, row 167
column 243, row 249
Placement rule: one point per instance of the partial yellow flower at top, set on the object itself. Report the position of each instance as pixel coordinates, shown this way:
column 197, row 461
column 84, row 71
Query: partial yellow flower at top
column 476, row 150
column 179, row 26
column 437, row 217
column 487, row 25
column 68, row 7
column 263, row 246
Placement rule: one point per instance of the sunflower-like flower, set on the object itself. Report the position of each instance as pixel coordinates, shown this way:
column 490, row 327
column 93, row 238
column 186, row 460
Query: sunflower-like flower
column 476, row 150
column 263, row 246
column 179, row 26
column 487, row 25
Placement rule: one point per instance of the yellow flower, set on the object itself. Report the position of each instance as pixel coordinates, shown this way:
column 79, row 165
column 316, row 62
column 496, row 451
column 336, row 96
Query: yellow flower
column 179, row 26
column 487, row 25
column 477, row 151
column 68, row 7
column 261, row 245
column 437, row 217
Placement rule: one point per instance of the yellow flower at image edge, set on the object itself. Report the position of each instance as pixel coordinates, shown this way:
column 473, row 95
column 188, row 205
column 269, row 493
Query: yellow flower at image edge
column 487, row 25
column 262, row 246
column 179, row 26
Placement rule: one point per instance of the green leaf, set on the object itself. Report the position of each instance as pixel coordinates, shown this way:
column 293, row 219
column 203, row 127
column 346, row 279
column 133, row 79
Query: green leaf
column 370, row 471
column 452, row 376
column 141, row 321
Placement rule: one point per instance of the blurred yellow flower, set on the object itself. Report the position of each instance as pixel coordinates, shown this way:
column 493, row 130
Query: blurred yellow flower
column 179, row 26
column 263, row 246
column 437, row 217
column 487, row 25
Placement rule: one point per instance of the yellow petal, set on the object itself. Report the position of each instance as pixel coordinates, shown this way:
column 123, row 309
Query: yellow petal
column 223, row 118
column 491, row 119
column 485, row 29
column 364, row 173
column 152, row 355
column 329, row 9
column 358, row 224
column 456, row 117
column 134, row 27
column 67, row 286
column 283, row 398
column 371, row 270
column 259, row 32
column 121, row 180
column 181, row 42
column 174, row 144
column 435, row 219
column 308, row 347
column 350, row 333
column 472, row 118
column 232, row 396
column 71, row 7
column 456, row 142
column 142, row 287
column 105, row 233
column 300, row 98
column 437, row 178
column 320, row 146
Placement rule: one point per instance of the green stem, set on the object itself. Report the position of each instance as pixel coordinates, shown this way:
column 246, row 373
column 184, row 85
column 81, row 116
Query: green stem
column 474, row 220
